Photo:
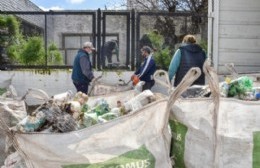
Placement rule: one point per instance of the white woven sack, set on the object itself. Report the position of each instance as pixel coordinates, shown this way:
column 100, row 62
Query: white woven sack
column 195, row 144
column 103, row 89
column 98, row 88
column 193, row 122
column 112, row 98
column 11, row 112
column 136, row 140
column 238, row 143
column 215, row 132
column 139, row 139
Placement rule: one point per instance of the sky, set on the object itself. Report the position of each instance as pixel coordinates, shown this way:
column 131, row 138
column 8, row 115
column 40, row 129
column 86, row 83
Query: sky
column 78, row 4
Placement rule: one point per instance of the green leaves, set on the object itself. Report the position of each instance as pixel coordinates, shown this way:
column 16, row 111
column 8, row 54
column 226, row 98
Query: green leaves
column 163, row 58
column 9, row 27
column 33, row 52
column 54, row 55
column 162, row 55
column 26, row 51
column 12, row 25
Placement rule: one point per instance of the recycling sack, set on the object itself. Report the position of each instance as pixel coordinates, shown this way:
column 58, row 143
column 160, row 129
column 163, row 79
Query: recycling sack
column 7, row 90
column 139, row 139
column 11, row 111
column 238, row 143
column 215, row 132
column 238, row 133
column 98, row 88
column 136, row 140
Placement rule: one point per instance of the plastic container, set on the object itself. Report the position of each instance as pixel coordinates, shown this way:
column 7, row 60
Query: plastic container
column 63, row 97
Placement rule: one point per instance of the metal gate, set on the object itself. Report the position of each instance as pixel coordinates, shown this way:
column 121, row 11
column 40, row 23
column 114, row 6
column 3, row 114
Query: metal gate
column 70, row 29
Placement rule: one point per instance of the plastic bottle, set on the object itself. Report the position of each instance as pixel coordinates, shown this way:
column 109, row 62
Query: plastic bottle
column 62, row 97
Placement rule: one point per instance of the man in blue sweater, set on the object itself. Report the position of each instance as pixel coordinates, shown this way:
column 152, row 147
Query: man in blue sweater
column 147, row 69
column 82, row 73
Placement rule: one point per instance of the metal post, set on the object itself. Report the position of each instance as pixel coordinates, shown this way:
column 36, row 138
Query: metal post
column 99, row 38
column 103, row 36
column 45, row 39
column 94, row 38
column 133, row 53
column 128, row 40
column 138, row 59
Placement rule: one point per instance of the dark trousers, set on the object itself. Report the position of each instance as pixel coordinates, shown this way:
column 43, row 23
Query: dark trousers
column 81, row 87
column 106, row 54
column 148, row 85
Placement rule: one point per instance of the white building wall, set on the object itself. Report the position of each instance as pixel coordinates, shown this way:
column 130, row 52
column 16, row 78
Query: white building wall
column 237, row 37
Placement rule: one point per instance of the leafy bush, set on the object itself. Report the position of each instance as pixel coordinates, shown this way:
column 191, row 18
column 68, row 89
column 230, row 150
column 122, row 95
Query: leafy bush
column 54, row 55
column 13, row 25
column 162, row 55
column 10, row 36
column 9, row 27
column 13, row 53
column 163, row 58
column 33, row 52
column 27, row 51
column 14, row 50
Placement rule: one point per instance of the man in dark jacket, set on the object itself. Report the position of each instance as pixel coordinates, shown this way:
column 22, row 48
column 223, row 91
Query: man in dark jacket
column 82, row 73
column 147, row 69
column 107, row 52
column 187, row 56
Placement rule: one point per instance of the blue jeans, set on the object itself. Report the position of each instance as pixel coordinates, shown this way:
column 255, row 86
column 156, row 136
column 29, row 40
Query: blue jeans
column 81, row 87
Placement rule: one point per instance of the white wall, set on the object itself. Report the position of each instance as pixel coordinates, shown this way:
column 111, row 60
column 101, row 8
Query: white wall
column 237, row 35
column 59, row 81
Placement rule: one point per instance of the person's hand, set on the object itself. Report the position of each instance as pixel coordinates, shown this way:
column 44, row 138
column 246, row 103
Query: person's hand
column 132, row 77
column 135, row 80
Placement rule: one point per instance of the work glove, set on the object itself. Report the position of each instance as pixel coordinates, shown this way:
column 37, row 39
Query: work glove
column 132, row 77
column 135, row 79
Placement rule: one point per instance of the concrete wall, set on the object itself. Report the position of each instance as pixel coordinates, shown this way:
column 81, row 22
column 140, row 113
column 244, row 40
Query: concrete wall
column 237, row 37
column 59, row 81
column 59, row 25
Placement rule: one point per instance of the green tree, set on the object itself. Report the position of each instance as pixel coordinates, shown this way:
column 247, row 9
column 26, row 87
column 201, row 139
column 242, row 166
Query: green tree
column 27, row 51
column 54, row 55
column 32, row 52
column 10, row 36
column 162, row 55
column 9, row 30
